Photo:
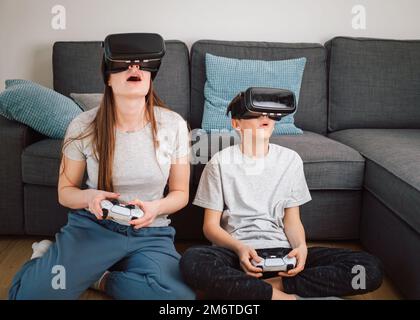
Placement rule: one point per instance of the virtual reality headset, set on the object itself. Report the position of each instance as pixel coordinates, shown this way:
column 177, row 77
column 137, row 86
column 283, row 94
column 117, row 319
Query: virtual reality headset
column 256, row 102
column 122, row 50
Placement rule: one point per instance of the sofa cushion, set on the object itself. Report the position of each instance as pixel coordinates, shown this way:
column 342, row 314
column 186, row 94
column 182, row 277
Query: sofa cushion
column 373, row 83
column 83, row 74
column 313, row 93
column 392, row 167
column 227, row 77
column 40, row 162
column 87, row 101
column 328, row 164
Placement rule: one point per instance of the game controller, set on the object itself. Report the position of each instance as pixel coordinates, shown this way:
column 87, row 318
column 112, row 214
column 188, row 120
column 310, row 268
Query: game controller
column 121, row 213
column 275, row 263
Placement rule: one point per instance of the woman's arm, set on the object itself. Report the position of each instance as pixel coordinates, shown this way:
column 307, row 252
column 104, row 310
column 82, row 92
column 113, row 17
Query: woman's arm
column 178, row 183
column 69, row 193
column 69, row 181
column 175, row 200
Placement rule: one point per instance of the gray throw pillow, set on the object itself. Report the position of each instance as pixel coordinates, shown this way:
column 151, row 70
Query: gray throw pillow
column 87, row 101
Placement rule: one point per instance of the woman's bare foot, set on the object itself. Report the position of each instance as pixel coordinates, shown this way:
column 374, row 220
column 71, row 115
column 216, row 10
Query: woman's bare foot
column 103, row 281
column 100, row 284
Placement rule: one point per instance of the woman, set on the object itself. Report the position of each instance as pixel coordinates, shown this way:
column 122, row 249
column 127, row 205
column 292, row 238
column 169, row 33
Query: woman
column 132, row 147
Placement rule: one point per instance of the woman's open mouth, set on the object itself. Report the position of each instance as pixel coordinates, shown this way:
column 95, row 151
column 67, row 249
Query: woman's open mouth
column 134, row 79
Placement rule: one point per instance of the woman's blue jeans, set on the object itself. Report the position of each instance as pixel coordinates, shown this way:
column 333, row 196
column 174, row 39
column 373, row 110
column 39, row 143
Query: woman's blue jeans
column 143, row 263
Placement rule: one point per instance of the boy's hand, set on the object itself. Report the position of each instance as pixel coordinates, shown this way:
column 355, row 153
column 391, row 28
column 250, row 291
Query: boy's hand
column 246, row 254
column 300, row 253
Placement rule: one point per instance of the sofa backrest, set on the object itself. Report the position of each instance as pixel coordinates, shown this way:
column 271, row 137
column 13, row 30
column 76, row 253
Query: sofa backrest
column 312, row 109
column 77, row 69
column 373, row 83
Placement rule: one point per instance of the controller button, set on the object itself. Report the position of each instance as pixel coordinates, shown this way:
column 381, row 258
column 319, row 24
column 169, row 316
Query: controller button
column 104, row 213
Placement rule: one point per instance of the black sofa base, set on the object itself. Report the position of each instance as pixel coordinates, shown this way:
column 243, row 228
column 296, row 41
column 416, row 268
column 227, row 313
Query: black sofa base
column 392, row 240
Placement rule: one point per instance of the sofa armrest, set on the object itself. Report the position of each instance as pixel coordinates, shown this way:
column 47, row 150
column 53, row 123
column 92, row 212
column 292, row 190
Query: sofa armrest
column 14, row 137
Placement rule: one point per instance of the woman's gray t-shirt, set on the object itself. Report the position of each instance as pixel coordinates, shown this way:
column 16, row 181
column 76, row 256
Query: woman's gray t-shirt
column 252, row 193
column 138, row 171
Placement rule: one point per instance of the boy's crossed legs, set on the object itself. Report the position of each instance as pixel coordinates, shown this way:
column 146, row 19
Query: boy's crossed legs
column 328, row 272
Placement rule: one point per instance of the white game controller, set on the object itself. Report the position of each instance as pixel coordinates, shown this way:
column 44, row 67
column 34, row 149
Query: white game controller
column 275, row 263
column 113, row 210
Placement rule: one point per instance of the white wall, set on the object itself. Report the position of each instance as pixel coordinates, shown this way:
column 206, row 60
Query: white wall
column 26, row 35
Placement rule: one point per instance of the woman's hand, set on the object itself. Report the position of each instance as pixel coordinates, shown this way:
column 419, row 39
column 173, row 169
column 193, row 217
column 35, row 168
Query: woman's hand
column 246, row 254
column 94, row 198
column 300, row 253
column 151, row 210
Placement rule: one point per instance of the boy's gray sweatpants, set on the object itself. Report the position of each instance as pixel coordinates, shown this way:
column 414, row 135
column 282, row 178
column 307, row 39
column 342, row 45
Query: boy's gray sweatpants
column 144, row 263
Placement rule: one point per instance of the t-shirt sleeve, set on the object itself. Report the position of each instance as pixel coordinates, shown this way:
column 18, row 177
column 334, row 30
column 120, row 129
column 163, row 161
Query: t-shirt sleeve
column 209, row 192
column 182, row 141
column 300, row 193
column 73, row 149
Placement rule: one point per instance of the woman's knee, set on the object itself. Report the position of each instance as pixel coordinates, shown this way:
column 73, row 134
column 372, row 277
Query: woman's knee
column 26, row 285
column 40, row 289
column 170, row 287
column 182, row 292
column 148, row 287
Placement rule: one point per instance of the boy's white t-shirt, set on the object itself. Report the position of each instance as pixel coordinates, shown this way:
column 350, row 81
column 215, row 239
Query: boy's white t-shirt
column 252, row 193
column 139, row 171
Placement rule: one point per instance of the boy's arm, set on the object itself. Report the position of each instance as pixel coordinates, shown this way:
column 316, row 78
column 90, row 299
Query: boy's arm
column 295, row 233
column 220, row 237
column 293, row 227
column 216, row 234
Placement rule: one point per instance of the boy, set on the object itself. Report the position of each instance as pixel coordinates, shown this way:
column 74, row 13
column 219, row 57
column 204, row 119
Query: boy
column 251, row 193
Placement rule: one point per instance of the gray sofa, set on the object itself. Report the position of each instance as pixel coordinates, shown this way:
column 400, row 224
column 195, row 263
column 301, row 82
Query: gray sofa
column 374, row 107
column 360, row 111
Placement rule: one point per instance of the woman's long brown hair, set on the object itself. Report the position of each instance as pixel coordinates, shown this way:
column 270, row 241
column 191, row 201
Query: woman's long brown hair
column 102, row 131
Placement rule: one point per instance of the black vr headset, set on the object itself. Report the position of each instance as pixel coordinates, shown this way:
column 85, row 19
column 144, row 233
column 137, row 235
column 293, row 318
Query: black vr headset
column 256, row 102
column 122, row 50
